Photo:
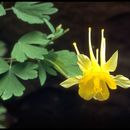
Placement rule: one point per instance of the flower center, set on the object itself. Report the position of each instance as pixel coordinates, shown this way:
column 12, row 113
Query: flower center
column 96, row 76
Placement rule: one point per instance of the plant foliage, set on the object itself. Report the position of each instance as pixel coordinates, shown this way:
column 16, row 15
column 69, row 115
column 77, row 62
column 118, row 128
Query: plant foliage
column 30, row 57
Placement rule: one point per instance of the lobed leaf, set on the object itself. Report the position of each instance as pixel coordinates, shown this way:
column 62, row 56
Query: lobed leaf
column 35, row 37
column 64, row 62
column 26, row 70
column 34, row 12
column 29, row 46
column 10, row 85
column 42, row 74
column 4, row 67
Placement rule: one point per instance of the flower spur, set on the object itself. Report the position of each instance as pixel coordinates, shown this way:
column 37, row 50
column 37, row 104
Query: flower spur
column 96, row 79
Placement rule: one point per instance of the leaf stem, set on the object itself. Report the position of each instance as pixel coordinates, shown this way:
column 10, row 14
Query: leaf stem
column 10, row 64
column 50, row 26
column 9, row 59
column 57, row 67
column 8, row 9
column 55, row 38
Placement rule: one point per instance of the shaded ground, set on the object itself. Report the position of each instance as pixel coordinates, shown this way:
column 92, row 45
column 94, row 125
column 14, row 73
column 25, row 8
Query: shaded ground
column 53, row 106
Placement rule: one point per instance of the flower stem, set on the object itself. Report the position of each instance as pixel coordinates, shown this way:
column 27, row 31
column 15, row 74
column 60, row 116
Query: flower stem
column 10, row 64
column 58, row 68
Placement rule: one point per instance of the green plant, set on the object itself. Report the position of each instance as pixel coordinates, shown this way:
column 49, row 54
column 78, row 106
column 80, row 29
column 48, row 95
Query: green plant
column 30, row 57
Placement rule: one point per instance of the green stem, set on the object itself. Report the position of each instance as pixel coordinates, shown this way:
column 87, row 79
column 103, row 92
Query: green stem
column 55, row 38
column 8, row 9
column 50, row 26
column 58, row 68
column 10, row 64
column 9, row 59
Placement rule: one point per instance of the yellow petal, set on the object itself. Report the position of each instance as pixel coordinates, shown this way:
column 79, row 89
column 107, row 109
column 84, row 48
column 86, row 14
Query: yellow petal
column 70, row 82
column 104, row 94
column 110, row 82
column 102, row 49
column 122, row 81
column 97, row 87
column 84, row 62
column 86, row 90
column 111, row 64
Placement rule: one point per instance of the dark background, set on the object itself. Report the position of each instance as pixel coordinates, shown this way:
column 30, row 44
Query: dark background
column 52, row 106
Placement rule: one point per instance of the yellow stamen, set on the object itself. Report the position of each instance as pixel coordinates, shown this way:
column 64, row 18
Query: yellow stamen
column 97, row 51
column 103, row 48
column 76, row 48
column 90, row 46
column 102, row 32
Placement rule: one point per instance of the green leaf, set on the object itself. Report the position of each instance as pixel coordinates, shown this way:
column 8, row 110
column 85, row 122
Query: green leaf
column 4, row 67
column 42, row 74
column 45, row 67
column 34, row 12
column 35, row 37
column 26, row 48
column 64, row 62
column 48, row 68
column 3, row 49
column 26, row 70
column 18, row 53
column 10, row 85
column 51, row 71
column 2, row 10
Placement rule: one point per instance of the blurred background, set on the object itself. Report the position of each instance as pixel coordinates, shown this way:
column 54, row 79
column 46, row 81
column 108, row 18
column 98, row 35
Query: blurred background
column 54, row 107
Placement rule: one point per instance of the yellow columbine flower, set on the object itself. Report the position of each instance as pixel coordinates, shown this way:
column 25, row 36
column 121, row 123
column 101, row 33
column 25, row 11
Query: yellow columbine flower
column 96, row 79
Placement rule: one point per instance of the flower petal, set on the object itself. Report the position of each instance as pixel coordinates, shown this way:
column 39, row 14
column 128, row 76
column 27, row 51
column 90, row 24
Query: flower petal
column 111, row 64
column 122, row 81
column 86, row 90
column 104, row 94
column 70, row 82
column 84, row 62
column 110, row 82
